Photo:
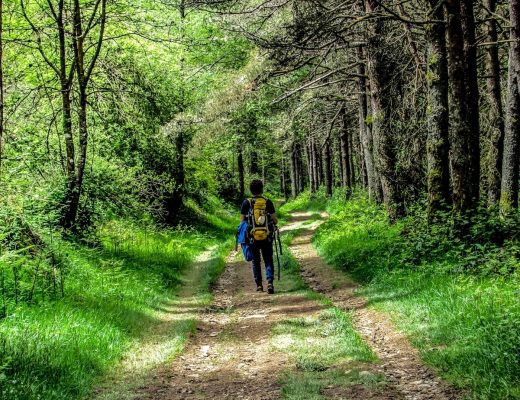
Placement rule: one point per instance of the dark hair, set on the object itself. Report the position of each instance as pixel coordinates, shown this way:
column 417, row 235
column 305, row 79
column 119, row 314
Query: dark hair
column 256, row 187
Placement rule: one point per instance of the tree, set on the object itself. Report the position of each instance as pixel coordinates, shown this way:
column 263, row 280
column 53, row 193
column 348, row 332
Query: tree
column 510, row 175
column 496, row 113
column 464, row 135
column 380, row 71
column 66, row 65
column 437, row 146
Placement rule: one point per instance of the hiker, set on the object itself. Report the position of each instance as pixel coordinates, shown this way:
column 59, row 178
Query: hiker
column 260, row 215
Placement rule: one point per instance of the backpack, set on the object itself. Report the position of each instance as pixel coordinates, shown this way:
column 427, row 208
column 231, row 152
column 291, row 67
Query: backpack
column 258, row 219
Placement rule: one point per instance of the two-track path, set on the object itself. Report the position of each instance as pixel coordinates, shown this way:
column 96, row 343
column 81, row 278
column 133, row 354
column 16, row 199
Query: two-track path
column 230, row 355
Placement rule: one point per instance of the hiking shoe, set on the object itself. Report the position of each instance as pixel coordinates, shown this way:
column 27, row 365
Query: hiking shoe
column 270, row 288
column 259, row 288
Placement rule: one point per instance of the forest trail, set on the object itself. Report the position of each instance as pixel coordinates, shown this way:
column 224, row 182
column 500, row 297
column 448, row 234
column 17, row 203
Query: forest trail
column 231, row 355
column 164, row 338
column 399, row 362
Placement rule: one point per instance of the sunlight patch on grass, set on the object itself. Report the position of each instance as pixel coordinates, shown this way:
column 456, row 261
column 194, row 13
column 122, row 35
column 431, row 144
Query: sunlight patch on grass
column 325, row 349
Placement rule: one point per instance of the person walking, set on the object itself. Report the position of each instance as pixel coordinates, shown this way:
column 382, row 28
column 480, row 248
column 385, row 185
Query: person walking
column 260, row 215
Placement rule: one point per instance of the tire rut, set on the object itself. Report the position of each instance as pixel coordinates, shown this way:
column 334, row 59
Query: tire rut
column 399, row 361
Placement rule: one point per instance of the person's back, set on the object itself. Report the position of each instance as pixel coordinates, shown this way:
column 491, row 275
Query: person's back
column 260, row 214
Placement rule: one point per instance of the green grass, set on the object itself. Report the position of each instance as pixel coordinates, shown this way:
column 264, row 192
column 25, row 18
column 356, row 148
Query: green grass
column 326, row 349
column 57, row 348
column 467, row 325
column 305, row 202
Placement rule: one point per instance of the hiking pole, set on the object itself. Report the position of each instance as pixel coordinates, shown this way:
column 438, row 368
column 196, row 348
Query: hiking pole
column 277, row 254
column 278, row 260
column 279, row 240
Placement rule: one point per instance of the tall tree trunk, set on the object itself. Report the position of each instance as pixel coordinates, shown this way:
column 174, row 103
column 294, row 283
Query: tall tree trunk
column 241, row 174
column 437, row 147
column 314, row 167
column 70, row 202
column 365, row 132
column 472, row 91
column 283, row 182
column 327, row 167
column 510, row 174
column 464, row 149
column 339, row 151
column 294, row 172
column 253, row 166
column 379, row 72
column 310, row 162
column 351, row 159
column 496, row 113
column 345, row 153
column 300, row 169
column 83, row 74
column 319, row 165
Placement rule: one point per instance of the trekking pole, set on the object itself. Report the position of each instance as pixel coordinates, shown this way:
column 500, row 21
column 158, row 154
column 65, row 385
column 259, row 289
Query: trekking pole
column 279, row 240
column 277, row 253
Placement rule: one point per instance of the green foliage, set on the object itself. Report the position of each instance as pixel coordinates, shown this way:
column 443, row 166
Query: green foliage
column 53, row 345
column 456, row 298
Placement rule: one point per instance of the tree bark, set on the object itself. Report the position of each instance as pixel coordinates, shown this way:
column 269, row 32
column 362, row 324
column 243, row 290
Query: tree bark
column 379, row 72
column 283, row 181
column 464, row 133
column 314, row 167
column 344, row 150
column 437, row 147
column 70, row 201
column 310, row 166
column 352, row 159
column 510, row 173
column 496, row 112
column 300, row 169
column 327, row 167
column 320, row 179
column 294, row 172
column 472, row 91
column 337, row 150
column 83, row 74
column 365, row 132
column 253, row 163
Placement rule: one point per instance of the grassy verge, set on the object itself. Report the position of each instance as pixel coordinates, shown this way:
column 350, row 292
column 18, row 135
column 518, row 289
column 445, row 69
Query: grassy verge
column 56, row 346
column 464, row 320
column 327, row 351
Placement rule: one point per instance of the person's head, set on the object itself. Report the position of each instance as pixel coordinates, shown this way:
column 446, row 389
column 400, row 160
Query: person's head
column 256, row 187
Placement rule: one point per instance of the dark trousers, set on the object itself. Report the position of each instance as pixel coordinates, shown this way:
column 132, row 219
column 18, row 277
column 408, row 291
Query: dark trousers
column 265, row 249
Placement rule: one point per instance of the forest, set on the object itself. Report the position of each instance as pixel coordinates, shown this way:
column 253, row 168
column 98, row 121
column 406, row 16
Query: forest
column 385, row 132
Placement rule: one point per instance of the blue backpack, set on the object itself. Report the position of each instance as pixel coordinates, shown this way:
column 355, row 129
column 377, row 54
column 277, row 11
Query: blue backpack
column 243, row 239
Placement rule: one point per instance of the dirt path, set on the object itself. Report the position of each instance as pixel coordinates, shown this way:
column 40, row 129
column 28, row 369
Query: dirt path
column 399, row 361
column 231, row 356
column 161, row 340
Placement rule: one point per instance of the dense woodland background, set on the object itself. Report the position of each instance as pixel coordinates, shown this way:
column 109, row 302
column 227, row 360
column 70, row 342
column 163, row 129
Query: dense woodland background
column 125, row 126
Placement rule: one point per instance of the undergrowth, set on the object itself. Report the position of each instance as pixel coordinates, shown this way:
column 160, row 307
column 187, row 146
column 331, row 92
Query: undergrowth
column 457, row 299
